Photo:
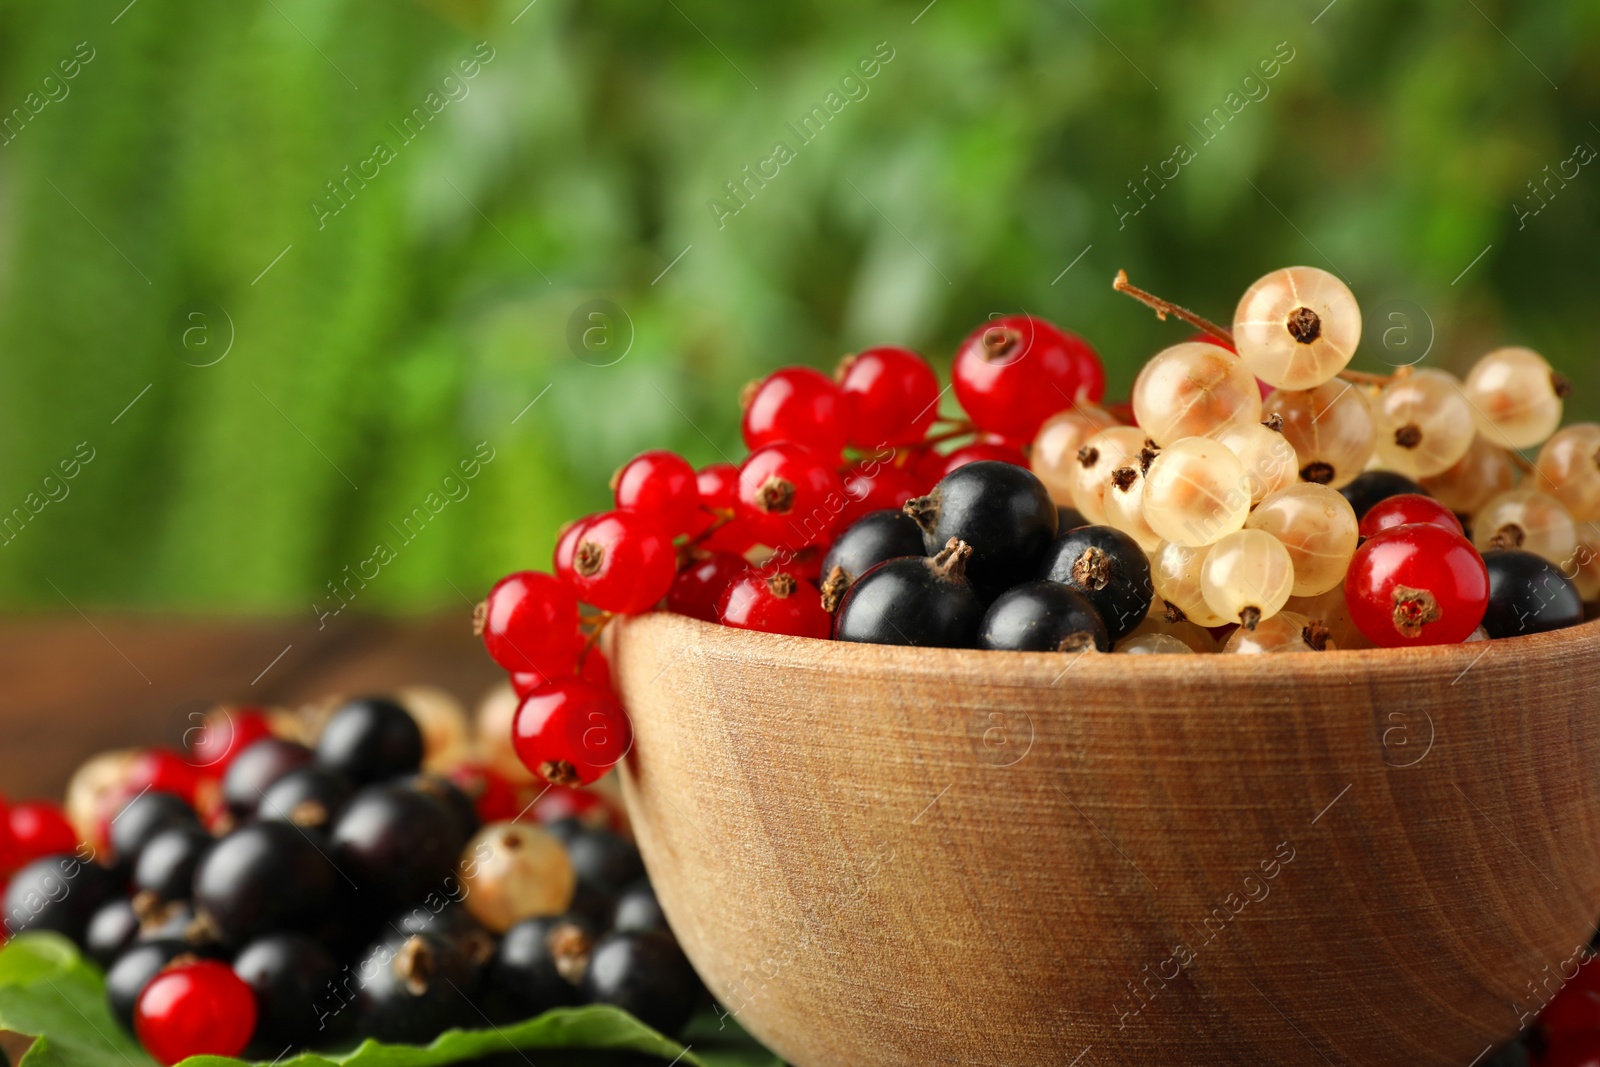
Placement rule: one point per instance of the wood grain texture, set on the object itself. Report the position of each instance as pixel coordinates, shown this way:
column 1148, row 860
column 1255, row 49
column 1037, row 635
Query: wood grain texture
column 913, row 856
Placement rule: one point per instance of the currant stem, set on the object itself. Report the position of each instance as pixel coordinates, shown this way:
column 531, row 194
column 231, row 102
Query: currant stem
column 1361, row 377
column 593, row 639
column 1163, row 308
column 723, row 518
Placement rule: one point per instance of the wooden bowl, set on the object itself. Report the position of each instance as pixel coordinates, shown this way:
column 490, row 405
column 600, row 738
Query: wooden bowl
column 887, row 856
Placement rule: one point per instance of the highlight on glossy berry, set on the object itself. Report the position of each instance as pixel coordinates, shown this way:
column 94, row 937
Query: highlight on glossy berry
column 662, row 486
column 529, row 622
column 799, row 405
column 1013, row 372
column 893, row 396
column 571, row 732
column 1297, row 327
column 622, row 561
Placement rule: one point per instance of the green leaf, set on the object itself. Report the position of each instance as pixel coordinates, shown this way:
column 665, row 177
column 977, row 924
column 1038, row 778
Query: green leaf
column 47, row 990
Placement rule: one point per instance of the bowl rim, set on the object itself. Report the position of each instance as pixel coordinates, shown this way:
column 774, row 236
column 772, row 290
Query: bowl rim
column 1024, row 668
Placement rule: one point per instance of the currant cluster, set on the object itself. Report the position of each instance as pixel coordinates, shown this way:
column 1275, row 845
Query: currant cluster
column 365, row 869
column 1252, row 495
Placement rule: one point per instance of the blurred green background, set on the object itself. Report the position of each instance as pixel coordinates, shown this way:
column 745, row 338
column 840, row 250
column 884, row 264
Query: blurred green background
column 168, row 205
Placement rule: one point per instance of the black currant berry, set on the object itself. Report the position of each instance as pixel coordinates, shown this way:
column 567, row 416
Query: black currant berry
column 145, row 816
column 132, row 971
column 167, row 863
column 292, row 977
column 256, row 769
column 540, row 965
column 371, row 740
column 451, row 796
column 1001, row 510
column 871, row 539
column 60, row 893
column 1043, row 617
column 453, row 923
column 593, row 904
column 607, row 861
column 1372, row 487
column 646, row 975
column 111, row 931
column 312, row 797
column 413, row 988
column 638, row 911
column 568, row 827
column 918, row 601
column 398, row 842
column 172, row 921
column 1069, row 519
column 266, row 877
column 1528, row 595
column 1110, row 569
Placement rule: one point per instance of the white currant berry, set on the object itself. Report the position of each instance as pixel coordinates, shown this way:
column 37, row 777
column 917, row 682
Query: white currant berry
column 1318, row 527
column 1424, row 423
column 1330, row 427
column 1195, row 492
column 1175, row 574
column 1054, row 456
column 1516, row 397
column 1527, row 519
column 1284, row 632
column 1268, row 459
column 1297, row 328
column 1100, row 457
column 1247, row 577
column 1569, row 465
column 1484, row 472
column 1146, row 644
column 1194, row 389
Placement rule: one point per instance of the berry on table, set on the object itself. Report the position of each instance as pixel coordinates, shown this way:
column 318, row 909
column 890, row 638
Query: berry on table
column 571, row 732
column 111, row 931
column 539, row 965
column 1175, row 572
column 871, row 485
column 798, row 405
column 252, row 773
column 371, row 740
column 1002, row 511
column 925, row 601
column 699, row 586
column 622, row 561
column 512, row 871
column 1012, row 373
column 264, row 877
column 1109, row 569
column 789, row 495
column 195, row 1009
column 145, row 816
column 413, row 988
column 1194, row 390
column 1405, row 509
column 1269, row 461
column 646, row 975
column 396, row 841
column 1417, row 585
column 662, row 486
column 893, row 396
column 774, row 602
column 60, row 893
column 309, row 797
column 167, row 863
column 1297, row 327
column 292, row 977
column 1528, row 594
column 638, row 910
column 1043, row 616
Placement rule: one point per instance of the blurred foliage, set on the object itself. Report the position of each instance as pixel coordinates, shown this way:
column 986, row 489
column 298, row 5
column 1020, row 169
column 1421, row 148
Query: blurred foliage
column 994, row 149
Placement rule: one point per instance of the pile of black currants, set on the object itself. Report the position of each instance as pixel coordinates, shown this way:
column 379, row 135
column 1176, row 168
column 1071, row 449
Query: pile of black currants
column 349, row 895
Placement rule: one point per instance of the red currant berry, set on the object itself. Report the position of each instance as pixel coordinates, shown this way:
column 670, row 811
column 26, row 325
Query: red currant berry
column 1417, row 585
column 223, row 734
column 622, row 561
column 161, row 770
column 1203, row 337
column 790, row 496
column 1405, row 509
column 591, row 809
column 195, row 1009
column 596, row 669
column 661, row 485
column 1575, row 1009
column 799, row 405
column 529, row 622
column 566, row 546
column 571, row 732
column 776, row 603
column 1013, row 373
column 719, row 486
column 926, row 468
column 872, row 485
column 995, row 450
column 494, row 798
column 699, row 586
column 1571, row 1050
column 894, row 396
column 39, row 829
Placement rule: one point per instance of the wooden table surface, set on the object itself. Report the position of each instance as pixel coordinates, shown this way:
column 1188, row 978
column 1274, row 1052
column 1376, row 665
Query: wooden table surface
column 73, row 685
